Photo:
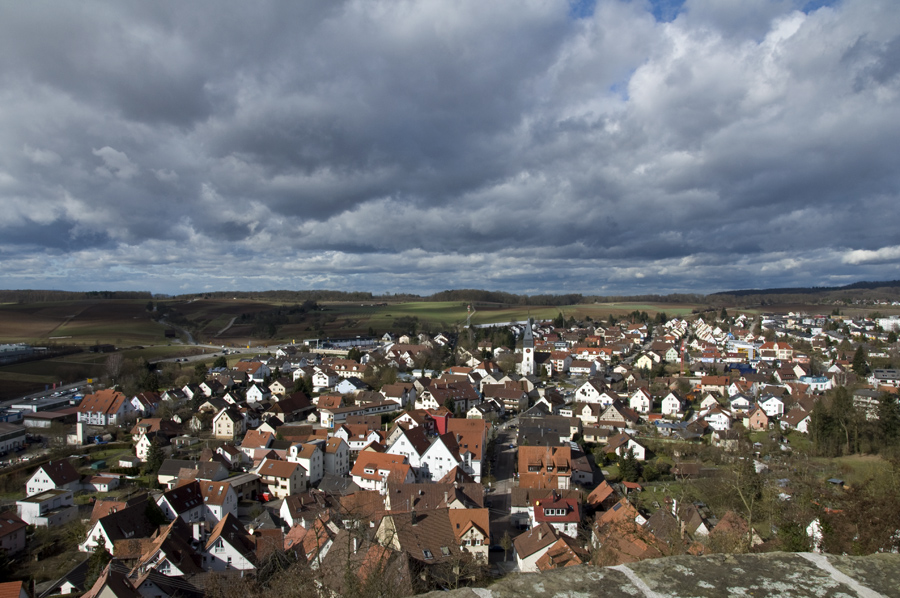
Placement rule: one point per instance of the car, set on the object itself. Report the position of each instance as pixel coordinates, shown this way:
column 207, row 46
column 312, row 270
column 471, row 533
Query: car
column 512, row 446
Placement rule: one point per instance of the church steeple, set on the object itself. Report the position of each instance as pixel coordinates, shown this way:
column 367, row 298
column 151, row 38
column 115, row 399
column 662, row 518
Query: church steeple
column 528, row 350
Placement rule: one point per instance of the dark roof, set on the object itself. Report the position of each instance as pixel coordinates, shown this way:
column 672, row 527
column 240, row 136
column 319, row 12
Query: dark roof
column 60, row 472
column 184, row 497
column 171, row 467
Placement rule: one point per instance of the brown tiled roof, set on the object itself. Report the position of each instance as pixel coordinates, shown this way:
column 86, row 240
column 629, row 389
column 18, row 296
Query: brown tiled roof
column 277, row 469
column 538, row 537
column 427, row 535
column 601, row 494
column 10, row 523
column 565, row 552
column 214, row 493
column 107, row 401
column 404, row 497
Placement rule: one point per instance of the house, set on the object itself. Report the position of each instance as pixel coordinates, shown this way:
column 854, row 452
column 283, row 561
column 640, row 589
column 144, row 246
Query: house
column 372, row 470
column 740, row 402
column 293, row 407
column 641, row 401
column 776, row 351
column 324, row 378
column 48, row 508
column 718, row 419
column 673, row 405
column 758, row 420
column 566, row 552
column 129, row 522
column 796, row 419
column 229, row 547
column 403, row 393
column 717, row 384
column 256, row 371
column 772, row 405
column 532, row 545
column 357, row 436
column 54, row 475
column 603, row 497
column 282, row 477
column 336, row 458
column 253, row 441
column 545, row 467
column 184, row 501
column 410, row 443
column 145, row 403
column 228, row 424
column 471, row 530
column 590, row 391
column 311, row 458
column 219, row 500
column 620, row 444
column 168, row 553
column 257, row 393
column 146, row 441
column 428, row 537
column 104, row 408
column 563, row 514
column 100, row 483
column 12, row 533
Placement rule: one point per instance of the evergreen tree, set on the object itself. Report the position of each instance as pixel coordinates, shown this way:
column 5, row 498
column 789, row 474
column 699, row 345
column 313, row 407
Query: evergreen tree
column 859, row 362
column 888, row 420
column 155, row 457
column 629, row 467
column 304, row 385
column 154, row 514
column 97, row 562
column 559, row 321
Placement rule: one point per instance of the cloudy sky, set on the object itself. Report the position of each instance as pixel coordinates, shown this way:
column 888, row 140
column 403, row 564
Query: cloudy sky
column 396, row 146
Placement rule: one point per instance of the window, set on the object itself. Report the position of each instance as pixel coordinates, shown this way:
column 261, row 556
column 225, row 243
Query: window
column 428, row 555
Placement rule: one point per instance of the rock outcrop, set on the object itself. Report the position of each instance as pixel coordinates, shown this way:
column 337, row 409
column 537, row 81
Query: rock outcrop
column 794, row 575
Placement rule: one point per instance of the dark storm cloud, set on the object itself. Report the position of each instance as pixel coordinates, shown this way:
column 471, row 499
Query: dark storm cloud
column 414, row 146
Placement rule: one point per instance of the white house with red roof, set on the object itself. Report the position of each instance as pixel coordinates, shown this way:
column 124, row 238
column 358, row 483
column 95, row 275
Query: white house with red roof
column 562, row 514
column 310, row 457
column 104, row 407
column 373, row 470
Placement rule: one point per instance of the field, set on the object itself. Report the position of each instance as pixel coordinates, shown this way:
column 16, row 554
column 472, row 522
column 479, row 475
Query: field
column 120, row 322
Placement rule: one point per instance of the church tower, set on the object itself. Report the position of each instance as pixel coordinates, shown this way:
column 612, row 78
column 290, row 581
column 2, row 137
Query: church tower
column 528, row 351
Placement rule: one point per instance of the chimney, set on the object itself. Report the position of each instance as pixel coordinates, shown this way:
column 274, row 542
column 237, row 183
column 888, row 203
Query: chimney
column 540, row 534
column 412, row 516
column 355, row 542
column 446, row 497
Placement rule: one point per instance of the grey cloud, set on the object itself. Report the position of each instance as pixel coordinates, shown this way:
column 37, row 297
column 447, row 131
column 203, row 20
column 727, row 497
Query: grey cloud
column 438, row 145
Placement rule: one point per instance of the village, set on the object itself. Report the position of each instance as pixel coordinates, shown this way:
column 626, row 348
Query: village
column 433, row 461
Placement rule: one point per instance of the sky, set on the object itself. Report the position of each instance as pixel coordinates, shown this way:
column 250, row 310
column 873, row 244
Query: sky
column 531, row 146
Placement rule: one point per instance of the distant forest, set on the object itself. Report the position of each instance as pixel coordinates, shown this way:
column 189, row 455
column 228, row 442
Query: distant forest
column 889, row 290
